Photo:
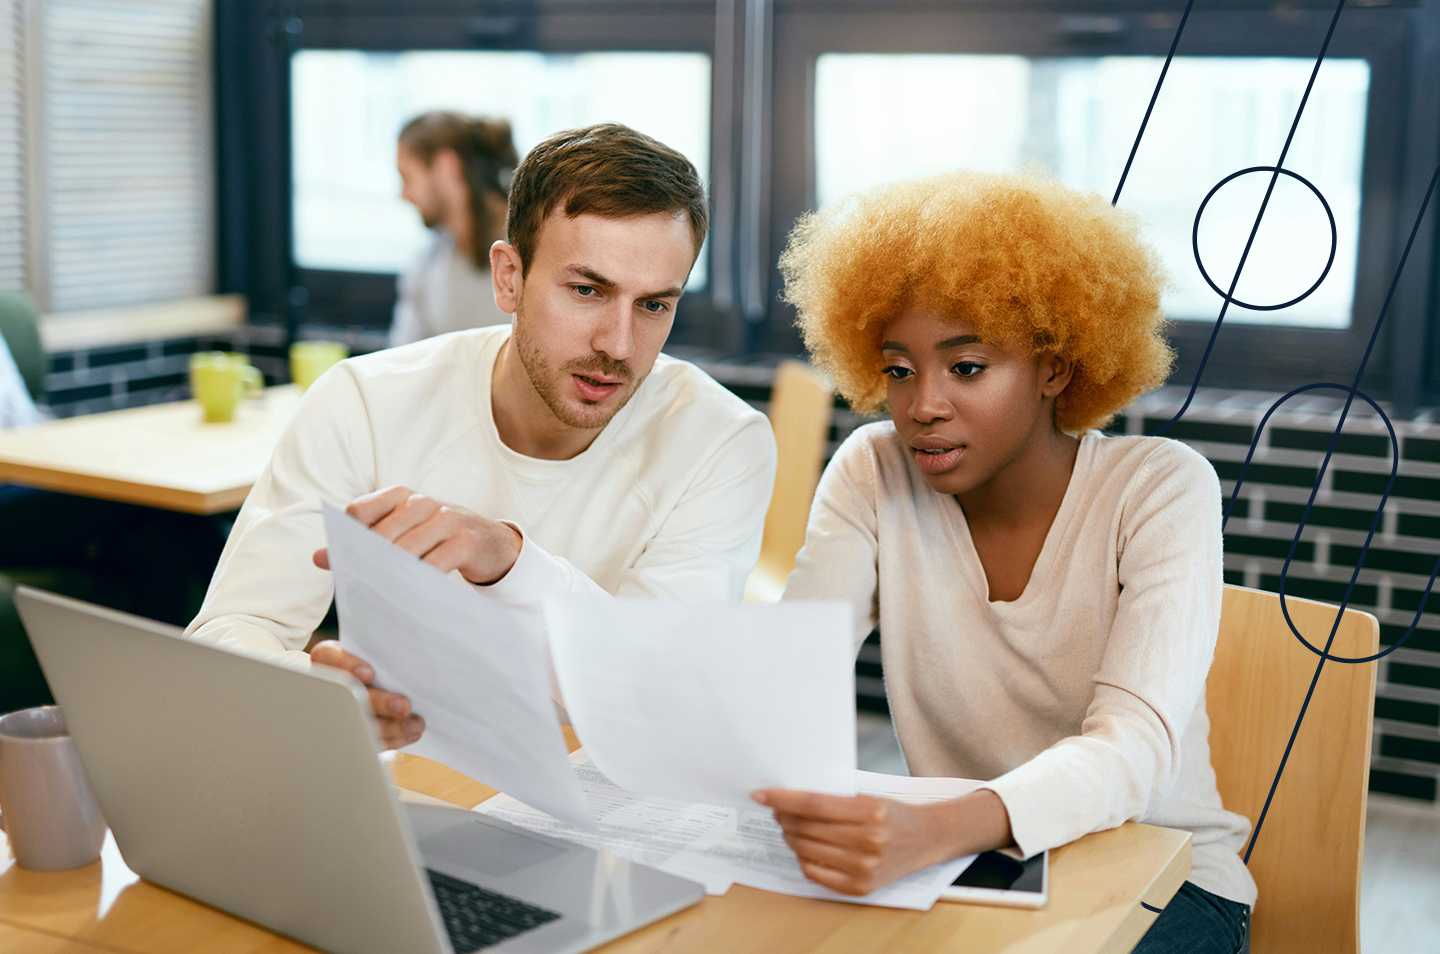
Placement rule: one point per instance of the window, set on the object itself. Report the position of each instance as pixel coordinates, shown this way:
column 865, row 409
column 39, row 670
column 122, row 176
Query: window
column 348, row 106
column 123, row 112
column 12, row 146
column 884, row 117
column 868, row 94
column 792, row 103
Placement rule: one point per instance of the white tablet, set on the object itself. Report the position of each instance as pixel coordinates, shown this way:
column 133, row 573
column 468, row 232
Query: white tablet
column 1000, row 877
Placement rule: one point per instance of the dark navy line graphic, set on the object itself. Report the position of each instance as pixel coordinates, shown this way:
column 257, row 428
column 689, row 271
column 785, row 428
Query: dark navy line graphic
column 1264, row 203
column 1352, row 391
column 1144, row 122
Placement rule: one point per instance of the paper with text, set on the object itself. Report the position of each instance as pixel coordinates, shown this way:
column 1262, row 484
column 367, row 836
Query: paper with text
column 473, row 667
column 652, row 831
column 756, row 854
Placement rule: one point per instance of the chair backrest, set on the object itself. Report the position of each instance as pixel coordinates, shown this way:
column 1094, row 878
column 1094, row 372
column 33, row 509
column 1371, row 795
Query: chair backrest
column 20, row 327
column 1308, row 856
column 801, row 406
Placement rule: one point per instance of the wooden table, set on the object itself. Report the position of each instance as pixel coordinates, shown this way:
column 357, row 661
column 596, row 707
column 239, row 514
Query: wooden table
column 1096, row 886
column 162, row 456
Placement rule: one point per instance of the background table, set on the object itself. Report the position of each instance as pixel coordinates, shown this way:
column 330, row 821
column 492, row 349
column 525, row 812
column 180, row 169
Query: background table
column 1097, row 885
column 162, row 456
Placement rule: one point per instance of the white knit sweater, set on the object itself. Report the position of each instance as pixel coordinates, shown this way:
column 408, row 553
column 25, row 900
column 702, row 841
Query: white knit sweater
column 1084, row 699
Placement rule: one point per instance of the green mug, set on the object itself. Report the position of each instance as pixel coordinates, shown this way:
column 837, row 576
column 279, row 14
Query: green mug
column 310, row 359
column 220, row 380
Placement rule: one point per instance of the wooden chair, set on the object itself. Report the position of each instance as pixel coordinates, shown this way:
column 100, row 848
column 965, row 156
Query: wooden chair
column 1307, row 859
column 801, row 406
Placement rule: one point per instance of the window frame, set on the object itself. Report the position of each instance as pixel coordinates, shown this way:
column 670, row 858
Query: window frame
column 1251, row 357
column 762, row 57
column 299, row 296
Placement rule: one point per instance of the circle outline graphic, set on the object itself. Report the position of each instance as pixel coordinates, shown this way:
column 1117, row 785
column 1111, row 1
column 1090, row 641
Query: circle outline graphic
column 1200, row 213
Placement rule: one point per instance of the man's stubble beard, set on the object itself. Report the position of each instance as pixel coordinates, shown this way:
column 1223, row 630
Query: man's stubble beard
column 547, row 383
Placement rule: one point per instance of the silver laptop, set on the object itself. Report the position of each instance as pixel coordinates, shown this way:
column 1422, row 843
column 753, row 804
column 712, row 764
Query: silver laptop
column 258, row 789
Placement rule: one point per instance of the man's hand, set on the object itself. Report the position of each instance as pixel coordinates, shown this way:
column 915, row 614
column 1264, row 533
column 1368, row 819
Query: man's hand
column 447, row 538
column 855, row 844
column 398, row 725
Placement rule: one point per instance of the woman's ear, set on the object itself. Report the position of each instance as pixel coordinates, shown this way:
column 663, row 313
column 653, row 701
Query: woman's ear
column 506, row 276
column 1056, row 371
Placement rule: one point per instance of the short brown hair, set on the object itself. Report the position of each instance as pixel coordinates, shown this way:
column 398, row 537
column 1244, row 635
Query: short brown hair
column 487, row 160
column 606, row 169
column 1024, row 260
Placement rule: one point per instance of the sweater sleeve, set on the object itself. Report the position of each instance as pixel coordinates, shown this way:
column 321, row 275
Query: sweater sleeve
column 266, row 596
column 704, row 549
column 1152, row 675
column 838, row 560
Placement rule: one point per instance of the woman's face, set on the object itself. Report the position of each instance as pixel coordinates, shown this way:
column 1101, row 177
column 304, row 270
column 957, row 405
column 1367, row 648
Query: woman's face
column 966, row 408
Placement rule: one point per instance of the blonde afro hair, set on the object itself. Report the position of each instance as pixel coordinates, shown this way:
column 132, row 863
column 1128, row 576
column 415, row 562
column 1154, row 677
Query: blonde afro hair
column 1028, row 263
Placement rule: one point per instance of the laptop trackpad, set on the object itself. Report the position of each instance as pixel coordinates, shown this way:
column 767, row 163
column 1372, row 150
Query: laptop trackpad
column 463, row 840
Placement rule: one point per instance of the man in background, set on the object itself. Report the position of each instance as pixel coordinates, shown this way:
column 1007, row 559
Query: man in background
column 455, row 169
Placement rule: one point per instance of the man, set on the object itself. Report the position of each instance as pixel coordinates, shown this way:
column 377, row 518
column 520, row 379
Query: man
column 565, row 456
column 455, row 170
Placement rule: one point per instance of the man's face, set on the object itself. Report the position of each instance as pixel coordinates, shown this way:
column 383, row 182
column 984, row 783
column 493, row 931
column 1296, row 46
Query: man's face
column 418, row 186
column 596, row 307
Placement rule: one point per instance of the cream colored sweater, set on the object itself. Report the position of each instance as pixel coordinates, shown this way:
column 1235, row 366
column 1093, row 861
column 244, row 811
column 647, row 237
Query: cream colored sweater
column 1084, row 699
column 668, row 501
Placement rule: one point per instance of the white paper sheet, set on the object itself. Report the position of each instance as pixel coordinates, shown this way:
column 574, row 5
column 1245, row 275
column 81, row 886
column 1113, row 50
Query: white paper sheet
column 473, row 667
column 755, row 854
column 652, row 831
column 708, row 703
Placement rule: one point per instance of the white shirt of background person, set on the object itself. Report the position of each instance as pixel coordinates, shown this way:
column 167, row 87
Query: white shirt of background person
column 443, row 292
column 16, row 408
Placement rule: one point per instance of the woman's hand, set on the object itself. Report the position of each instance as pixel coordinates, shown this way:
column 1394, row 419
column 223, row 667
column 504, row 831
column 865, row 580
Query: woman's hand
column 854, row 844
column 857, row 843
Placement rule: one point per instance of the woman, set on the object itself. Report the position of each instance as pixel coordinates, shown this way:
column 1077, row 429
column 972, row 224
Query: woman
column 1048, row 596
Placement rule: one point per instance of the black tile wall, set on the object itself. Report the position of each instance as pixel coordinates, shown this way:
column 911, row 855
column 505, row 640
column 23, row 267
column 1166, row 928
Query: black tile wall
column 1396, row 783
column 1421, row 448
column 1362, row 444
column 1407, row 675
column 1403, row 550
column 1199, row 430
column 1257, row 473
column 1408, row 710
column 1420, row 639
column 1331, row 591
column 1418, row 487
column 1340, row 517
column 1276, row 547
column 1400, row 747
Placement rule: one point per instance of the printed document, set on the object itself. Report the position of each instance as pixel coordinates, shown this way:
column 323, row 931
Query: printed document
column 756, row 854
column 652, row 831
column 718, row 845
column 474, row 667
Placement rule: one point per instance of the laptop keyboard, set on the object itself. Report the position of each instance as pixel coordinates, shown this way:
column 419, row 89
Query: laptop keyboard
column 476, row 918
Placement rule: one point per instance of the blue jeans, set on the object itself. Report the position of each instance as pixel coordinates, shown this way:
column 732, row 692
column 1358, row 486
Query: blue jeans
column 1198, row 922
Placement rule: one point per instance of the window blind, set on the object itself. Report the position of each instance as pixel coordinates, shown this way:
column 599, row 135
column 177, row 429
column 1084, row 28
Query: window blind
column 12, row 146
column 125, row 103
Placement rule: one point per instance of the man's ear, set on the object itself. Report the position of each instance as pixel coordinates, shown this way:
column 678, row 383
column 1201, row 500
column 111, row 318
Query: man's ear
column 506, row 276
column 1056, row 371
